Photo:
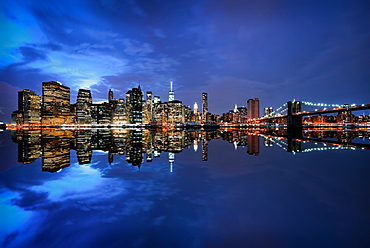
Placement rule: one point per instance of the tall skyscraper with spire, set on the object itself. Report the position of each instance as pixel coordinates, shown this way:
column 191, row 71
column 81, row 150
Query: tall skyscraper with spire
column 171, row 94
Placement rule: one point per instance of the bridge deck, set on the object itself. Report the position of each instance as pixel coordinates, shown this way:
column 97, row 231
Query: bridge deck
column 323, row 111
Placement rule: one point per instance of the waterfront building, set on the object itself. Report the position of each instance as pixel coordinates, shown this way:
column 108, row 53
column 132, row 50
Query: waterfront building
column 148, row 107
column 204, row 106
column 171, row 112
column 134, row 99
column 253, row 106
column 267, row 111
column 243, row 113
column 83, row 106
column 55, row 107
column 101, row 113
column 345, row 116
column 228, row 117
column 119, row 113
column 29, row 108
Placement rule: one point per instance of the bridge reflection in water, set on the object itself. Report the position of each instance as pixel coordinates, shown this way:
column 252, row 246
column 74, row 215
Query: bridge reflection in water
column 53, row 145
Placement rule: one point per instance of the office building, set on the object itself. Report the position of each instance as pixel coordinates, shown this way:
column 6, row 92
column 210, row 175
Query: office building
column 55, row 108
column 253, row 106
column 83, row 106
column 134, row 99
column 119, row 113
column 148, row 107
column 29, row 108
column 101, row 113
column 204, row 106
column 243, row 113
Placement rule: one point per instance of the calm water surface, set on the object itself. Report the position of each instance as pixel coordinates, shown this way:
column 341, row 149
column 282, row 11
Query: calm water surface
column 130, row 188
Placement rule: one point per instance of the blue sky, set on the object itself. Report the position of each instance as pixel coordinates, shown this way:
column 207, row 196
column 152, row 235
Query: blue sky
column 235, row 50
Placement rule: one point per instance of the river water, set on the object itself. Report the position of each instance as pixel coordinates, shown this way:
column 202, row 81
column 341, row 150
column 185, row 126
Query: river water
column 139, row 188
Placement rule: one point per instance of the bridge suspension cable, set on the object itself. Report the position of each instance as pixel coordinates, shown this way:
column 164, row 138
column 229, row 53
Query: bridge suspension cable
column 325, row 104
column 278, row 111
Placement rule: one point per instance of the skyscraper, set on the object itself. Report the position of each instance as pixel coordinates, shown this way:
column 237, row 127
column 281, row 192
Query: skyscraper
column 110, row 95
column 171, row 94
column 56, row 107
column 253, row 106
column 83, row 106
column 195, row 108
column 101, row 113
column 148, row 108
column 119, row 113
column 204, row 106
column 134, row 100
column 243, row 113
column 29, row 106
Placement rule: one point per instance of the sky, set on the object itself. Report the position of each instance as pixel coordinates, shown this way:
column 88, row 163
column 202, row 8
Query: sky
column 276, row 51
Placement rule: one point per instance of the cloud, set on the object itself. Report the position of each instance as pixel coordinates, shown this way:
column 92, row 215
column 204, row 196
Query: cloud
column 136, row 48
column 159, row 33
column 30, row 53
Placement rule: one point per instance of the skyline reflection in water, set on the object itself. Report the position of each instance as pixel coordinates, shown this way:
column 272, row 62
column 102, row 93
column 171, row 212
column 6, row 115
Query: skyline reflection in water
column 141, row 188
column 138, row 145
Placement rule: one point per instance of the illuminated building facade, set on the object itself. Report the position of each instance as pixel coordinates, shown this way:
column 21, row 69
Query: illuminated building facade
column 171, row 112
column 119, row 113
column 29, row 108
column 204, row 106
column 83, row 106
column 55, row 108
column 253, row 106
column 101, row 113
column 243, row 113
column 148, row 108
column 134, row 100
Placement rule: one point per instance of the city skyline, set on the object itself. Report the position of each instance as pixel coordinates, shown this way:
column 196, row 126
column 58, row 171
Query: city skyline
column 54, row 107
column 234, row 51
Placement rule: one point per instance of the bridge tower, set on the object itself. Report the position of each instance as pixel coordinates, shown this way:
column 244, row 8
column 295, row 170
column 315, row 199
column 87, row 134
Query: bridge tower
column 294, row 125
column 293, row 120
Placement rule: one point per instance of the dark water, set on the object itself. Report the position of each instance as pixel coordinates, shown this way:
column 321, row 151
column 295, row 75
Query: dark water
column 130, row 188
